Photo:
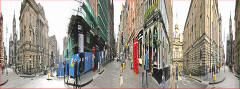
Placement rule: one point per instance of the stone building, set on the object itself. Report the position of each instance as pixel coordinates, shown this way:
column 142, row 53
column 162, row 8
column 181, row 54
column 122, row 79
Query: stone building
column 33, row 48
column 3, row 61
column 95, row 6
column 129, row 30
column 3, row 55
column 139, row 25
column 111, row 38
column 230, row 45
column 53, row 53
column 201, row 37
column 103, row 11
column 236, row 48
column 1, row 37
column 65, row 42
column 177, row 45
column 170, row 24
column 13, row 45
column 156, row 40
column 120, row 38
column 95, row 17
column 1, row 43
column 221, row 46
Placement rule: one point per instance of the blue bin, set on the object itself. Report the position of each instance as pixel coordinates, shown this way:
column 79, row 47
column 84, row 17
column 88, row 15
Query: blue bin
column 71, row 66
column 87, row 61
column 74, row 62
column 60, row 71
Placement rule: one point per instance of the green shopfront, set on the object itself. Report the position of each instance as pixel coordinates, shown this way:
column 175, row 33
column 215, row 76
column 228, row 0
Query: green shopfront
column 156, row 42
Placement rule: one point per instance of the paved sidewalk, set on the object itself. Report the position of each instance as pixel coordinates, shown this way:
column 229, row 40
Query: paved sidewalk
column 132, row 80
column 207, row 79
column 4, row 79
column 3, row 76
column 88, row 77
column 236, row 74
column 85, row 78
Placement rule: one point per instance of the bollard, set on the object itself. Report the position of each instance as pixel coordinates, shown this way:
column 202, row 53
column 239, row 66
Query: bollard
column 214, row 77
column 48, row 76
column 123, row 65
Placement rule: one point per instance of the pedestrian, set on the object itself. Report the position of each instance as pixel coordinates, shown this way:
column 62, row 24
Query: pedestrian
column 121, row 80
column 176, row 74
column 146, row 65
column 177, row 71
column 64, row 70
column 163, row 76
column 206, row 72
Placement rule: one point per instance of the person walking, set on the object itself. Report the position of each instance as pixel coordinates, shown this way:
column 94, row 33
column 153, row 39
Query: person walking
column 64, row 70
column 176, row 75
column 163, row 76
column 146, row 66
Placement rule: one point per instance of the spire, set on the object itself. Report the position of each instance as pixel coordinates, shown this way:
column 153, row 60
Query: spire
column 14, row 19
column 176, row 18
column 176, row 27
column 230, row 18
column 14, row 23
column 230, row 24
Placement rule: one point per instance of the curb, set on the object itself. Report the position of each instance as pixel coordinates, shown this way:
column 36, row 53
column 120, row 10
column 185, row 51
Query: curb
column 4, row 82
column 196, row 79
column 218, row 81
column 27, row 76
column 101, row 71
column 88, row 82
column 82, row 85
column 236, row 75
column 209, row 82
column 104, row 63
column 193, row 78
